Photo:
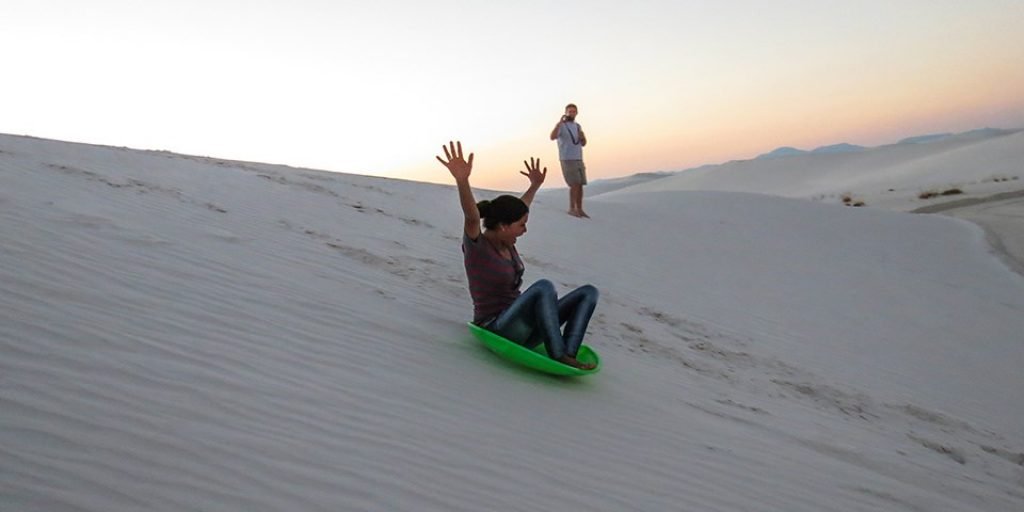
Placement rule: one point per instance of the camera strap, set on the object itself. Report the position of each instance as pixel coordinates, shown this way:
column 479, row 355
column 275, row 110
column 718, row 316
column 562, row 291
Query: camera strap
column 571, row 136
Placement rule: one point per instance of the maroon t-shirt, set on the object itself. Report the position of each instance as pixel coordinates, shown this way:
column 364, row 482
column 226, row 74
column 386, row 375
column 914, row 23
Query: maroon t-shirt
column 493, row 280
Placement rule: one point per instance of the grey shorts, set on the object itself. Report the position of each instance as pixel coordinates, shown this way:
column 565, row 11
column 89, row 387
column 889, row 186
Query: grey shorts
column 574, row 171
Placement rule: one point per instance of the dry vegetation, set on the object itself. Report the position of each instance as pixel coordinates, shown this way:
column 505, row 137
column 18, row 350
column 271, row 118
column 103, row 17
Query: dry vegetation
column 1001, row 179
column 849, row 200
column 929, row 194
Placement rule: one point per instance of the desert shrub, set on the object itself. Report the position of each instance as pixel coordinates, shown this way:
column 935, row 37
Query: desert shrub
column 952, row 192
column 927, row 194
column 1000, row 179
column 849, row 200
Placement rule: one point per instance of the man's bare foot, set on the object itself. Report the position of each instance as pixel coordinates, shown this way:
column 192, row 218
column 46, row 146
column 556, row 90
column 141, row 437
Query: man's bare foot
column 572, row 361
column 583, row 214
column 575, row 213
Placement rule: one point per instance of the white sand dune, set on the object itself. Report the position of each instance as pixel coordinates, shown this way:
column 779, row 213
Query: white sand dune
column 1002, row 217
column 892, row 177
column 182, row 333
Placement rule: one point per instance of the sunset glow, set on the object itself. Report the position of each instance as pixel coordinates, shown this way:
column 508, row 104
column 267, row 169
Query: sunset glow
column 377, row 88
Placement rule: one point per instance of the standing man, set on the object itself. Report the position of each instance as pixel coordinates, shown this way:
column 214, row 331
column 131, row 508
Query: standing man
column 571, row 140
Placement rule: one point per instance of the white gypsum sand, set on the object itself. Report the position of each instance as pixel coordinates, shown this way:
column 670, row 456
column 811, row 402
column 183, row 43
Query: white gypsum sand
column 977, row 175
column 183, row 333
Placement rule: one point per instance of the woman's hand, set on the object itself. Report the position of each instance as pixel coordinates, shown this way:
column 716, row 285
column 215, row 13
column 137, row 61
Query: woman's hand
column 458, row 166
column 460, row 169
column 534, row 173
column 536, row 178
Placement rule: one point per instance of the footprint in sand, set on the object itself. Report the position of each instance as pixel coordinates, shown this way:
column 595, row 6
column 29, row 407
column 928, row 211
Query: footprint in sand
column 139, row 186
column 952, row 452
column 317, row 177
column 938, row 419
column 309, row 187
column 856, row 405
column 1015, row 457
column 680, row 325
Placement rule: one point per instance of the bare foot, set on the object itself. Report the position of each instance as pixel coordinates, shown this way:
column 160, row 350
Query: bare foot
column 572, row 361
column 574, row 213
column 583, row 214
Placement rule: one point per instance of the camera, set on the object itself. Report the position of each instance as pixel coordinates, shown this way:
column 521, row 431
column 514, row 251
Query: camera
column 566, row 118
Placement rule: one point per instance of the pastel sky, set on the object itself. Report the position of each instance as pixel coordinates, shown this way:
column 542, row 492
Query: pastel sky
column 377, row 87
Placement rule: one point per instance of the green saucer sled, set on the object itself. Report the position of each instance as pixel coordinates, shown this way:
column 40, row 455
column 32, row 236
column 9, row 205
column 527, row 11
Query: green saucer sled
column 536, row 358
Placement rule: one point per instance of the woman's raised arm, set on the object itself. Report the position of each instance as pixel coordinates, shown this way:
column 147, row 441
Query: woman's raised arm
column 536, row 177
column 461, row 169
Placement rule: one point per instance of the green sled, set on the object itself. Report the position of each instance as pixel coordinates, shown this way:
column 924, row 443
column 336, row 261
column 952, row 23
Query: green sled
column 536, row 358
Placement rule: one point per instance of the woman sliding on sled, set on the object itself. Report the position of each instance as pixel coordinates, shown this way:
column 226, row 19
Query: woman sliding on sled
column 495, row 270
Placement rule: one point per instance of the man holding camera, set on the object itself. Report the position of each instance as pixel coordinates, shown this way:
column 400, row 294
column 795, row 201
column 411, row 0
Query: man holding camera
column 571, row 140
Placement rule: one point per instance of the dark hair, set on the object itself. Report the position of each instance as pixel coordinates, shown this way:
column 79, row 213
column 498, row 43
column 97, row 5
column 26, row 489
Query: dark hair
column 573, row 105
column 503, row 209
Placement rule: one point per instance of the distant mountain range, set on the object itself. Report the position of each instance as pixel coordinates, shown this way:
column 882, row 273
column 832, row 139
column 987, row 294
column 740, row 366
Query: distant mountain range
column 838, row 148
column 600, row 186
column 924, row 139
column 786, row 151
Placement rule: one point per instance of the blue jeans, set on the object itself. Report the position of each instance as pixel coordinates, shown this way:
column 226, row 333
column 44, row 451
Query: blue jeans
column 537, row 315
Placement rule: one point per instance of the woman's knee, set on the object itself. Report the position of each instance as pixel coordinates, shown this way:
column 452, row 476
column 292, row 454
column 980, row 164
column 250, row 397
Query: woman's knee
column 590, row 292
column 544, row 286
